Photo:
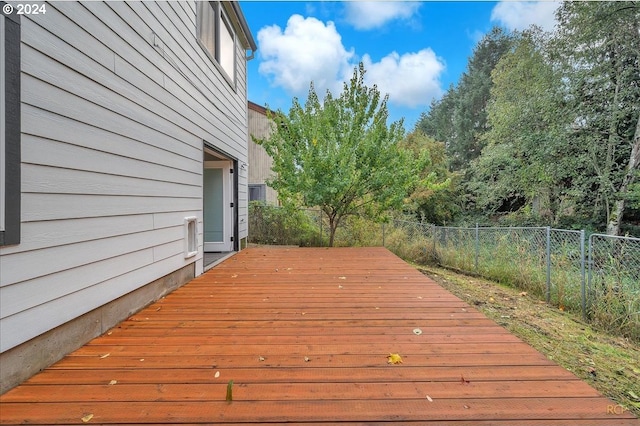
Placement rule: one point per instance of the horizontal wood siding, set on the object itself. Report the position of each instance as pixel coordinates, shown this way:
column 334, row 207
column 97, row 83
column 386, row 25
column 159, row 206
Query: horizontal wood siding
column 117, row 99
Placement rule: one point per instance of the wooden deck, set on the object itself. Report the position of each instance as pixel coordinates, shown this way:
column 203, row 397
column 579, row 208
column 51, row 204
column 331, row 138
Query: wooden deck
column 304, row 334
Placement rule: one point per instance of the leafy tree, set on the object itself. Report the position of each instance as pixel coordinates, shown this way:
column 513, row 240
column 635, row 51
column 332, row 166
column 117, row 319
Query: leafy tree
column 435, row 203
column 527, row 161
column 340, row 154
column 598, row 45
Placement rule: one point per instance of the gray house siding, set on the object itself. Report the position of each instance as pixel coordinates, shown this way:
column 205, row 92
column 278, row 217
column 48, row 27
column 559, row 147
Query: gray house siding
column 117, row 102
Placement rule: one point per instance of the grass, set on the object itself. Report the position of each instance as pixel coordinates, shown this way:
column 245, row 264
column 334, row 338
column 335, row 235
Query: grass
column 609, row 363
column 517, row 257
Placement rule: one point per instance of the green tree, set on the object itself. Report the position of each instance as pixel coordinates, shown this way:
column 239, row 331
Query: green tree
column 598, row 46
column 340, row 154
column 435, row 203
column 527, row 162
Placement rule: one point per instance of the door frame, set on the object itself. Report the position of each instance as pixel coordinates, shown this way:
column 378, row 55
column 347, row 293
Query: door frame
column 229, row 204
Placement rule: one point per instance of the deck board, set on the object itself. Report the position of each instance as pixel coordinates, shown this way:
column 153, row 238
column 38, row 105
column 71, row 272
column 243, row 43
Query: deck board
column 305, row 334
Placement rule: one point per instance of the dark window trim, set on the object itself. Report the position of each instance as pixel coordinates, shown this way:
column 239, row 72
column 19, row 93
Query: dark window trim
column 219, row 15
column 12, row 156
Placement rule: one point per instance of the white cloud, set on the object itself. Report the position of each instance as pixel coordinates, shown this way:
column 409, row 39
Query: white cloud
column 411, row 79
column 307, row 50
column 364, row 15
column 520, row 15
column 310, row 50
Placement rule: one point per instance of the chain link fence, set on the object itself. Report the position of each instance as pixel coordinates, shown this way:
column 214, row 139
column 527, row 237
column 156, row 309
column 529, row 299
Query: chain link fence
column 614, row 283
column 598, row 277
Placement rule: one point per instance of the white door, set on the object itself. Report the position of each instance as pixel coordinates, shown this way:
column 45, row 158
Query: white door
column 218, row 226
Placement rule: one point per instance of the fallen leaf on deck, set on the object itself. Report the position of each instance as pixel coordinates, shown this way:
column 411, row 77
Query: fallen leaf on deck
column 234, row 276
column 417, row 331
column 86, row 418
column 466, row 407
column 104, row 356
column 429, row 398
column 342, row 278
column 394, row 359
column 217, row 374
column 306, row 359
column 339, row 286
column 113, row 382
column 260, row 358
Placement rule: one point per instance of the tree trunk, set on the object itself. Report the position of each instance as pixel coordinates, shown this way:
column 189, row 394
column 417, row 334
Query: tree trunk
column 332, row 233
column 613, row 226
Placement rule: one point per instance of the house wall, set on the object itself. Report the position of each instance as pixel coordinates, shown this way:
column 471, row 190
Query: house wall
column 117, row 99
column 259, row 161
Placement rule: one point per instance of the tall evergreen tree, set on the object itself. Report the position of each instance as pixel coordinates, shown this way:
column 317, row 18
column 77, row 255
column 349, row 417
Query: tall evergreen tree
column 460, row 117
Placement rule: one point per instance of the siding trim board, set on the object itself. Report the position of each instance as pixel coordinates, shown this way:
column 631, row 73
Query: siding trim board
column 10, row 229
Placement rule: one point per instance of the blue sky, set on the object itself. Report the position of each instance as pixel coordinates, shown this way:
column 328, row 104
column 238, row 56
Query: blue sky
column 412, row 50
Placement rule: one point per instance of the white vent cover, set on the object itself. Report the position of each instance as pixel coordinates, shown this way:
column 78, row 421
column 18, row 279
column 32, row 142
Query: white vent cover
column 190, row 236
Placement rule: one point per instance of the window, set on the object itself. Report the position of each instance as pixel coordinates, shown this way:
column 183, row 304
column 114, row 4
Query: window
column 216, row 36
column 9, row 129
column 257, row 192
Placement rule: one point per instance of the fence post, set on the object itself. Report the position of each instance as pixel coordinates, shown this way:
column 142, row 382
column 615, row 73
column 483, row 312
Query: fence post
column 590, row 268
column 433, row 234
column 477, row 248
column 383, row 244
column 548, row 292
column 582, row 278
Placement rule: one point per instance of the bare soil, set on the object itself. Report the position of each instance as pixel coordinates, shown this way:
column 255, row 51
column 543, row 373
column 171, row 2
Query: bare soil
column 608, row 363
